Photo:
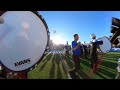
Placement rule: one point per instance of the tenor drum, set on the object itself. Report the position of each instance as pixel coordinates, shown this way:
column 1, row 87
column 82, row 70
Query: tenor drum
column 106, row 45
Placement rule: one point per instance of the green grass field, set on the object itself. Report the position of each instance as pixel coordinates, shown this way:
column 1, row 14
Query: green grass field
column 51, row 67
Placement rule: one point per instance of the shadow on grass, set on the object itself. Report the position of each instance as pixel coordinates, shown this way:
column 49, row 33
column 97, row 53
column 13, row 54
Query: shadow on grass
column 100, row 75
column 64, row 69
column 104, row 63
column 107, row 73
column 85, row 62
column 113, row 56
column 110, row 59
column 104, row 72
column 83, row 75
column 52, row 68
column 48, row 58
column 74, row 76
column 58, row 60
column 63, row 65
column 68, row 61
column 109, row 64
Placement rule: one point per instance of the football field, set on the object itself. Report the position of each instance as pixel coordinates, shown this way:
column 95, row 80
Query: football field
column 55, row 66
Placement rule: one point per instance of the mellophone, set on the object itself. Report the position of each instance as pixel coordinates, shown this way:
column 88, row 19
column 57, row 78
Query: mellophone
column 23, row 40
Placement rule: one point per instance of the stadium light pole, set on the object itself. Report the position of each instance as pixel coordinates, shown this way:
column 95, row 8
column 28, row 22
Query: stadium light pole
column 54, row 31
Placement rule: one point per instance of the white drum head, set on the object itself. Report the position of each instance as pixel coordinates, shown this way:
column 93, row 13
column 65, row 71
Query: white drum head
column 1, row 20
column 106, row 46
column 23, row 40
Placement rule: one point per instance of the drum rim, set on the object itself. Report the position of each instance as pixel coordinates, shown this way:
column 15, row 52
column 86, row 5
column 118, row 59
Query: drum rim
column 110, row 45
column 47, row 29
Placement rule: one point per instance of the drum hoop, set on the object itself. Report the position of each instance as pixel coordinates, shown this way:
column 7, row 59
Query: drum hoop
column 47, row 29
column 108, row 39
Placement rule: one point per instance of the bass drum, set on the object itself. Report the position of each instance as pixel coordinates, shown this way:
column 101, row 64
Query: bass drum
column 23, row 39
column 106, row 46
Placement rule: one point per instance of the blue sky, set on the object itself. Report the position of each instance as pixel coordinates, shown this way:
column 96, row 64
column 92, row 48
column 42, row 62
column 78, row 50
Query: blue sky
column 84, row 23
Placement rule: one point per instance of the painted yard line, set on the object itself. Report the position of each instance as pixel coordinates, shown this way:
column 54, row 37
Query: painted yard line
column 95, row 74
column 70, row 59
column 80, row 76
column 105, row 59
column 66, row 67
column 106, row 68
column 107, row 77
column 48, row 61
column 89, row 71
column 113, row 70
column 77, row 72
column 46, row 56
column 102, row 66
column 100, row 73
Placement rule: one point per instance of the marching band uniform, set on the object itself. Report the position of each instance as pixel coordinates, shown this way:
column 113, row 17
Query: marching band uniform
column 94, row 53
column 94, row 56
column 66, row 49
column 85, row 50
column 16, row 75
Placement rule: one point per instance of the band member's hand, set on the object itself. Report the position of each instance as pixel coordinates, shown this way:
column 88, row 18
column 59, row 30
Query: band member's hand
column 79, row 43
column 90, row 42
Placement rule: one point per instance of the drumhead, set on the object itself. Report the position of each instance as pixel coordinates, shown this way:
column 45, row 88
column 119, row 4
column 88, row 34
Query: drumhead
column 24, row 38
column 106, row 46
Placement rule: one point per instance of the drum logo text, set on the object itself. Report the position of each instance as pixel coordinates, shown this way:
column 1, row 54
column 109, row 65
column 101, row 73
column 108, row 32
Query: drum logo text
column 22, row 62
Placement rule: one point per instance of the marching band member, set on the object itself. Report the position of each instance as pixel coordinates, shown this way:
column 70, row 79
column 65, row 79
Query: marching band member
column 85, row 49
column 94, row 53
column 66, row 50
